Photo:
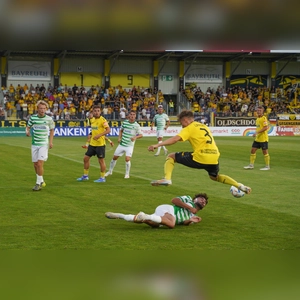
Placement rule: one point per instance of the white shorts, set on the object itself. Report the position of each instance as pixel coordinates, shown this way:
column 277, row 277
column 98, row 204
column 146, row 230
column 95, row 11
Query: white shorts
column 39, row 153
column 121, row 150
column 160, row 133
column 164, row 208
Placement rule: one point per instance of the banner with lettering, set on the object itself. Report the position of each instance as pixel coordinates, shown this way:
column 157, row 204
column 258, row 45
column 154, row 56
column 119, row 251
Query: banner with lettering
column 288, row 130
column 288, row 119
column 204, row 74
column 235, row 121
column 29, row 70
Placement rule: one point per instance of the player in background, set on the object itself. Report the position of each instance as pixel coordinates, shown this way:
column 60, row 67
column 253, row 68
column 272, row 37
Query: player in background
column 162, row 122
column 261, row 140
column 182, row 212
column 42, row 128
column 100, row 128
column 130, row 131
column 205, row 153
column 90, row 116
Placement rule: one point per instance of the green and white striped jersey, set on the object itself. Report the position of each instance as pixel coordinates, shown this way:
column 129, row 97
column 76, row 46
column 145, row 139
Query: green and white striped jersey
column 40, row 127
column 160, row 121
column 129, row 130
column 182, row 214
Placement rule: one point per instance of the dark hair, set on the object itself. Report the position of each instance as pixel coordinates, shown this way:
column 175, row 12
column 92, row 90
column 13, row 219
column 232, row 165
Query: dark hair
column 203, row 195
column 185, row 114
column 97, row 106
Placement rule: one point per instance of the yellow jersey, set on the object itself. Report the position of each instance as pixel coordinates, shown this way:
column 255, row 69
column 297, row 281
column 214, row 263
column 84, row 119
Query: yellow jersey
column 261, row 123
column 202, row 142
column 98, row 126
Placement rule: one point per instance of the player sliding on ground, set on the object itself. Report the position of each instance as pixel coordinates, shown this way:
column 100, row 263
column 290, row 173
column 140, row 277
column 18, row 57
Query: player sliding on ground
column 182, row 212
column 205, row 153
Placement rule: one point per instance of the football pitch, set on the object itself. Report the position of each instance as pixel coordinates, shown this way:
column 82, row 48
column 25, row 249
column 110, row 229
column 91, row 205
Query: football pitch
column 68, row 214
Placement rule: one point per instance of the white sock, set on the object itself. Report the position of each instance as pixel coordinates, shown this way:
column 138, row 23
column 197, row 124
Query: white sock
column 39, row 179
column 128, row 218
column 127, row 167
column 158, row 149
column 154, row 218
column 112, row 165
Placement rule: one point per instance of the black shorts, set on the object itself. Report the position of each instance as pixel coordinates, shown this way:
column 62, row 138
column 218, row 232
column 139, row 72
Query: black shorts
column 259, row 145
column 93, row 150
column 186, row 159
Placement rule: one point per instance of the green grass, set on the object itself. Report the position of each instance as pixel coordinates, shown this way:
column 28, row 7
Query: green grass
column 70, row 215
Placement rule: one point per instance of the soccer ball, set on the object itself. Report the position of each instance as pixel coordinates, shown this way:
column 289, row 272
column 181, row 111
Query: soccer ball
column 235, row 192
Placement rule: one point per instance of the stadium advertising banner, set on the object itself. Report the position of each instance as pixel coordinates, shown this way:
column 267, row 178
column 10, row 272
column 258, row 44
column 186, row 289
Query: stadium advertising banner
column 171, row 131
column 84, row 131
column 238, row 131
column 288, row 119
column 204, row 74
column 234, row 121
column 147, row 132
column 73, row 123
column 288, row 130
column 29, row 70
column 59, row 123
column 12, row 131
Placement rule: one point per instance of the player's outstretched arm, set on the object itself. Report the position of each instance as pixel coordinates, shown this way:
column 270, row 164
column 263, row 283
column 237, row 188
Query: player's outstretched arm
column 167, row 142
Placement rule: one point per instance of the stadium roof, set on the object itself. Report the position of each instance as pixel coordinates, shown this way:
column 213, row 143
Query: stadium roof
column 186, row 55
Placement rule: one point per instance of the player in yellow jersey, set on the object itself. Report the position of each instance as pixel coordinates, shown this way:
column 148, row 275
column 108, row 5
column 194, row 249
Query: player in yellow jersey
column 205, row 153
column 90, row 116
column 261, row 140
column 100, row 128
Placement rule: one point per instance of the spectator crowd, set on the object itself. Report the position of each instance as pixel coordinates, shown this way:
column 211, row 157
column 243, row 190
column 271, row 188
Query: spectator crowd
column 241, row 102
column 71, row 103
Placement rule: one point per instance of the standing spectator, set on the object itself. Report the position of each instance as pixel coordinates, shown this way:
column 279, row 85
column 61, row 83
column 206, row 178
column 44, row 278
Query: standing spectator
column 2, row 113
column 100, row 128
column 148, row 113
column 19, row 110
column 25, row 109
column 171, row 107
column 109, row 112
column 122, row 113
column 162, row 122
column 105, row 112
column 11, row 90
column 74, row 89
column 130, row 131
column 261, row 140
column 144, row 113
column 40, row 125
column 76, row 106
column 128, row 100
column 8, row 108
